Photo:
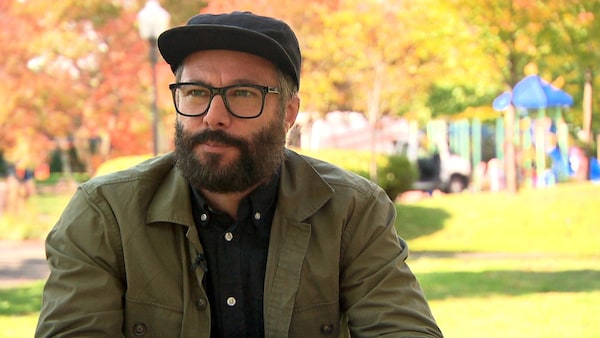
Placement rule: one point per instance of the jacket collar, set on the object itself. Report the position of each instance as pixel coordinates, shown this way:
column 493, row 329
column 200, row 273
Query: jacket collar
column 171, row 202
column 302, row 191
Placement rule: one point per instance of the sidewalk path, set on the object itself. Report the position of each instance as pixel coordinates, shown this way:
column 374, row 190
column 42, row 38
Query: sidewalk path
column 22, row 262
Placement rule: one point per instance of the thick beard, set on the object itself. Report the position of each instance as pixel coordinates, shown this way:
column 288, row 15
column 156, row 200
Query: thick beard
column 259, row 158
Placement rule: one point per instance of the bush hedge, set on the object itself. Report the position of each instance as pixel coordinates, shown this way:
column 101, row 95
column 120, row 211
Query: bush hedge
column 395, row 173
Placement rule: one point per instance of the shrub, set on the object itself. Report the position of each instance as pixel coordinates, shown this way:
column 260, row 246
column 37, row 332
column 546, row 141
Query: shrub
column 396, row 175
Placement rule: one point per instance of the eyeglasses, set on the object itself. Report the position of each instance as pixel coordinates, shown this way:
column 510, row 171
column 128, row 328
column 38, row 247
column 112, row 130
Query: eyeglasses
column 245, row 101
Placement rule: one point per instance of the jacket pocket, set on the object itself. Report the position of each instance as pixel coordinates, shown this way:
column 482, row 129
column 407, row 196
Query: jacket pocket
column 147, row 319
column 319, row 320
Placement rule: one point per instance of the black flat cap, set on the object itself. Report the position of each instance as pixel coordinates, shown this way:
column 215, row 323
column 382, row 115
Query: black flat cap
column 263, row 36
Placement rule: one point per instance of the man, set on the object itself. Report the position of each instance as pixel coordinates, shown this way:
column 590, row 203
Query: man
column 232, row 235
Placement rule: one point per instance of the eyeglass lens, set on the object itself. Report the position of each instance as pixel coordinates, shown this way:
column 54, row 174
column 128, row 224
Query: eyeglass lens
column 242, row 101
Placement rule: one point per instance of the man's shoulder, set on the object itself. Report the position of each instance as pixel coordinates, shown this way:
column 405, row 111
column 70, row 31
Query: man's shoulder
column 336, row 176
column 151, row 170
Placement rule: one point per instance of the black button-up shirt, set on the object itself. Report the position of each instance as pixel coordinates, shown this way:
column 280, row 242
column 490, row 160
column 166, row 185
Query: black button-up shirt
column 236, row 259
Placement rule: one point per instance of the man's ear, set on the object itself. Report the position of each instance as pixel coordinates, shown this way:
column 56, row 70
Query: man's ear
column 291, row 112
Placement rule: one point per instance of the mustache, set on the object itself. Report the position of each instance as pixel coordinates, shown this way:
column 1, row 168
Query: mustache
column 215, row 136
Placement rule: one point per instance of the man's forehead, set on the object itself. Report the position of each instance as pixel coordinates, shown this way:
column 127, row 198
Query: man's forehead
column 232, row 64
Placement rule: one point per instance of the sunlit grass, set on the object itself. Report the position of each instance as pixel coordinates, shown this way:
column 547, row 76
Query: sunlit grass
column 492, row 264
column 18, row 326
column 529, row 296
column 538, row 315
column 499, row 265
column 34, row 219
column 471, row 297
column 19, row 309
column 562, row 219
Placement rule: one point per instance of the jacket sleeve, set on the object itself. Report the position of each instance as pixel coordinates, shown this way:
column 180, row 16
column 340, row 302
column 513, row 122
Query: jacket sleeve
column 379, row 293
column 83, row 294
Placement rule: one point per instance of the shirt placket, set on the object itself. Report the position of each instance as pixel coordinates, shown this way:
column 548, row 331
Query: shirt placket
column 230, row 275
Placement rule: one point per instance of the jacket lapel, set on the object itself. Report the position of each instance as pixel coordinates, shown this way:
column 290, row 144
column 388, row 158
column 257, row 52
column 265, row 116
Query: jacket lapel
column 290, row 237
column 279, row 297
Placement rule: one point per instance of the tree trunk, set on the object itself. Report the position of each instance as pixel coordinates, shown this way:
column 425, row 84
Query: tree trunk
column 587, row 106
column 373, row 116
column 509, row 151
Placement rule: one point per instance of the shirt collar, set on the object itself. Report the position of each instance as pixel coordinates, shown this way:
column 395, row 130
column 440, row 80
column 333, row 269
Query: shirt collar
column 259, row 205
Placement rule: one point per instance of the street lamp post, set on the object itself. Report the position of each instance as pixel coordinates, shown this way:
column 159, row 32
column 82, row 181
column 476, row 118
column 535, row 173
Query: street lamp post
column 153, row 20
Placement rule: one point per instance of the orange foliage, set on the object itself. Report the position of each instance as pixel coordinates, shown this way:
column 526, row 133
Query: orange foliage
column 75, row 78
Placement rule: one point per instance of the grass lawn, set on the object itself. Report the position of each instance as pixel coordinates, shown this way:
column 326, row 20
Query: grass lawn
column 500, row 265
column 491, row 264
column 558, row 220
column 18, row 326
column 35, row 219
column 471, row 297
column 19, row 309
column 512, row 296
column 557, row 315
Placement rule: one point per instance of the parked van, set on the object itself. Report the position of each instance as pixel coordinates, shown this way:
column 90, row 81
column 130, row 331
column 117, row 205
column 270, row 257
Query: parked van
column 441, row 169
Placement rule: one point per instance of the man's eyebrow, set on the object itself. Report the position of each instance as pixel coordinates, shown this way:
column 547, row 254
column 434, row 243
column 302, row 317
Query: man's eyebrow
column 246, row 81
column 241, row 81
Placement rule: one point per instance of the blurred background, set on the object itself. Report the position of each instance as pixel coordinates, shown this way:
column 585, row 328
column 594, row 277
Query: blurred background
column 476, row 117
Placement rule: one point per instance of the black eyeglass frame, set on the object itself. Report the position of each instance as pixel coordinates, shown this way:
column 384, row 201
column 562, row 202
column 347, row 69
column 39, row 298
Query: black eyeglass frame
column 214, row 91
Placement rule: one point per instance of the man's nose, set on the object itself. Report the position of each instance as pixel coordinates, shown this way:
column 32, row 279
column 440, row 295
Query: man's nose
column 217, row 116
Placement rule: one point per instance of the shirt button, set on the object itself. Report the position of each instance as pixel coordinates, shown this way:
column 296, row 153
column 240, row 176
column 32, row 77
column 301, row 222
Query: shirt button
column 139, row 329
column 203, row 217
column 257, row 216
column 201, row 304
column 231, row 301
column 228, row 236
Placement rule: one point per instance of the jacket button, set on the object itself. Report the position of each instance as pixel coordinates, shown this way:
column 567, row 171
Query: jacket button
column 201, row 304
column 139, row 329
column 327, row 329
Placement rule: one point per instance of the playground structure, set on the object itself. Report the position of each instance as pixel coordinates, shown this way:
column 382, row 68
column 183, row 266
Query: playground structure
column 538, row 141
column 539, row 137
column 540, row 144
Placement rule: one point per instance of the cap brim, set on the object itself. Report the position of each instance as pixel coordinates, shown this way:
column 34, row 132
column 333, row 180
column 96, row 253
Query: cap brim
column 177, row 43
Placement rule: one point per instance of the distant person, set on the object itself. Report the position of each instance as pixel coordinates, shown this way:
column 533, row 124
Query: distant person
column 232, row 235
column 495, row 174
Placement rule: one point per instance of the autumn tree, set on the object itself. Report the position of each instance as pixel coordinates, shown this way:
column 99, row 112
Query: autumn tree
column 571, row 39
column 81, row 78
column 23, row 133
column 82, row 74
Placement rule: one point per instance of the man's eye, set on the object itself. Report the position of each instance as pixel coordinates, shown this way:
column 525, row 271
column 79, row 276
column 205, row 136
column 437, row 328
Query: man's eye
column 198, row 92
column 243, row 92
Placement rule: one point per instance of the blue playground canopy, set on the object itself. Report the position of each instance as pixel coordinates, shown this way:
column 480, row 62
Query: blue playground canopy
column 532, row 92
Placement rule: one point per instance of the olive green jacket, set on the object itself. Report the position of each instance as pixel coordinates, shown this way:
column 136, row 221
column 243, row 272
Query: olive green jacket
column 122, row 260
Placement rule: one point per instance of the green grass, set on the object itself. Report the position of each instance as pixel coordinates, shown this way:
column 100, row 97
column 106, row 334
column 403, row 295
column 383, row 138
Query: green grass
column 498, row 265
column 21, row 300
column 491, row 264
column 560, row 220
column 557, row 315
column 18, row 326
column 19, row 308
column 34, row 219
column 512, row 296
column 492, row 297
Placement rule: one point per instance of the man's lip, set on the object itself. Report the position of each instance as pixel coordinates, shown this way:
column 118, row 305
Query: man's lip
column 214, row 146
